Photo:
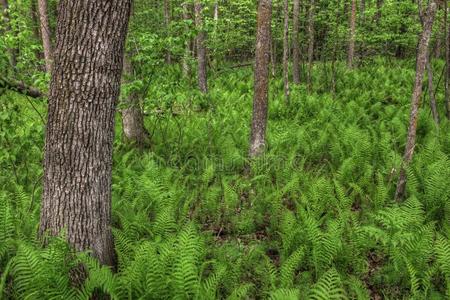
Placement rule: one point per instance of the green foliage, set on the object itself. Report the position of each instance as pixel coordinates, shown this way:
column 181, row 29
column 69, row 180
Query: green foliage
column 313, row 218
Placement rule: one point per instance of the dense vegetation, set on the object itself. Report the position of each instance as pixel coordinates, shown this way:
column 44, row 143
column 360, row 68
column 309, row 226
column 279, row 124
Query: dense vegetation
column 193, row 217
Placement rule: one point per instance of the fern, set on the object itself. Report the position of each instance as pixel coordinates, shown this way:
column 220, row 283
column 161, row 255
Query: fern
column 329, row 286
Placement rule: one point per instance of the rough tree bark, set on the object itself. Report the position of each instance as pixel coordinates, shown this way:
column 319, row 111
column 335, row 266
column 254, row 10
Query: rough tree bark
column 201, row 50
column 295, row 42
column 351, row 39
column 132, row 118
column 45, row 34
column 13, row 52
column 261, row 88
column 187, row 46
column 84, row 89
column 286, row 51
column 310, row 42
column 167, row 24
column 447, row 59
column 421, row 60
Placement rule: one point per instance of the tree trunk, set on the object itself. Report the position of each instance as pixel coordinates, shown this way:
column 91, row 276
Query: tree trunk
column 187, row 46
column 132, row 118
column 216, row 11
column 447, row 59
column 351, row 40
column 421, row 60
column 13, row 52
column 45, row 33
column 378, row 13
column 295, row 42
column 167, row 24
column 261, row 92
column 286, row 51
column 273, row 56
column 201, row 50
column 84, row 89
column 310, row 42
column 433, row 106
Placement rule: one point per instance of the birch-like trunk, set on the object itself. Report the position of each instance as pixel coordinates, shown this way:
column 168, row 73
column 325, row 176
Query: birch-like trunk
column 421, row 61
column 261, row 89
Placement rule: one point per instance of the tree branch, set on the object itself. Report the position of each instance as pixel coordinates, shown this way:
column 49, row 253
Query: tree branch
column 21, row 88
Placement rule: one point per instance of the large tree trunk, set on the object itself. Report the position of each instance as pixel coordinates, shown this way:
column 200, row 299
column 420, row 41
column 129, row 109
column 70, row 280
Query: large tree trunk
column 187, row 46
column 421, row 60
column 167, row 24
column 261, row 92
column 45, row 33
column 295, row 42
column 13, row 52
column 84, row 89
column 310, row 43
column 351, row 40
column 132, row 118
column 201, row 50
column 286, row 51
column 447, row 59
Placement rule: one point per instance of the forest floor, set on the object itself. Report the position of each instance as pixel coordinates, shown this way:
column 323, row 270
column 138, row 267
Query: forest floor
column 314, row 217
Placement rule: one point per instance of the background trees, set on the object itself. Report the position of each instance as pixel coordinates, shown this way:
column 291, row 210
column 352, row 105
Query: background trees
column 219, row 188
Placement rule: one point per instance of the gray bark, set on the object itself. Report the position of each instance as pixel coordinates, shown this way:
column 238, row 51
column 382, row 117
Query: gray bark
column 84, row 90
column 295, row 42
column 201, row 49
column 421, row 60
column 187, row 47
column 261, row 89
column 45, row 34
column 286, row 51
column 310, row 43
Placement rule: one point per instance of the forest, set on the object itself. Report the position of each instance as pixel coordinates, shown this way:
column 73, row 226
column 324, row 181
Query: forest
column 224, row 149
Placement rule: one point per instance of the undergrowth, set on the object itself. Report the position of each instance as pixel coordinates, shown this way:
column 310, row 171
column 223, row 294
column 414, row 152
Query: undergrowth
column 313, row 219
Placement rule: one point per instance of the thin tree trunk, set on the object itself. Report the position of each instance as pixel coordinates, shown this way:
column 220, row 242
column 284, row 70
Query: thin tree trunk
column 295, row 42
column 45, row 33
column 216, row 11
column 167, row 24
column 261, row 92
column 433, row 106
column 273, row 56
column 132, row 118
column 334, row 55
column 286, row 51
column 362, row 9
column 84, row 89
column 421, row 60
column 187, row 46
column 201, row 50
column 378, row 13
column 447, row 59
column 351, row 40
column 310, row 43
column 13, row 52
